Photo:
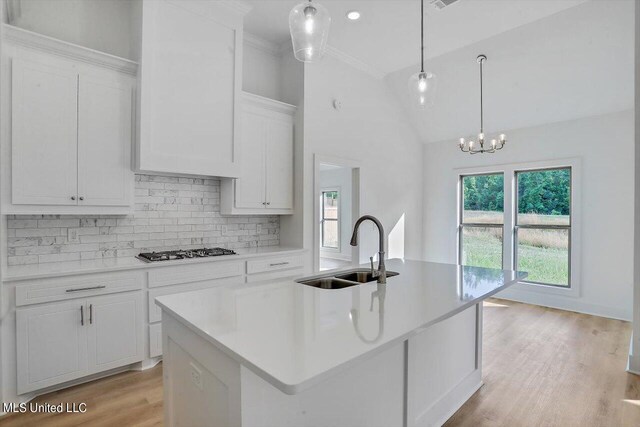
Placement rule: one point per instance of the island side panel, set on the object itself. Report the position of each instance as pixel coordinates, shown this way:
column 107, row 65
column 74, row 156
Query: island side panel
column 201, row 384
column 369, row 394
column 444, row 368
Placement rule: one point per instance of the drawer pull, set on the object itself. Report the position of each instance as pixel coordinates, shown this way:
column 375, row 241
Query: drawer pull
column 91, row 314
column 278, row 263
column 82, row 315
column 91, row 288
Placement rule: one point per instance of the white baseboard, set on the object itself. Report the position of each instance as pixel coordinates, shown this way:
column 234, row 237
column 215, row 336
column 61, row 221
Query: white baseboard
column 633, row 363
column 27, row 397
column 444, row 408
column 147, row 364
column 566, row 303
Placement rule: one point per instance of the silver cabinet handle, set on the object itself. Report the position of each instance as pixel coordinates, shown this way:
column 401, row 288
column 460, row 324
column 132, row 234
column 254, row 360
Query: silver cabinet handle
column 278, row 263
column 90, row 314
column 73, row 197
column 81, row 197
column 82, row 315
column 90, row 288
column 268, row 203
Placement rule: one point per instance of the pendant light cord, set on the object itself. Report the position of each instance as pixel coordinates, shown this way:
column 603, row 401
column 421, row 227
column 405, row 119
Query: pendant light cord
column 481, row 109
column 422, row 35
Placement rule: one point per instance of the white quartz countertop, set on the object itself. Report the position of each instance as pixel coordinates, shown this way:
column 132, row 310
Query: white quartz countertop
column 295, row 336
column 68, row 268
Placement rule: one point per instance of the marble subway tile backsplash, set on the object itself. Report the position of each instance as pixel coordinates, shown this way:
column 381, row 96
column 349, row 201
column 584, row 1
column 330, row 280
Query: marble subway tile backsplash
column 170, row 213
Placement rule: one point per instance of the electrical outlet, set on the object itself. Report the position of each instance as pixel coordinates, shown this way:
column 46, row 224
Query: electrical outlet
column 259, row 228
column 196, row 376
column 72, row 235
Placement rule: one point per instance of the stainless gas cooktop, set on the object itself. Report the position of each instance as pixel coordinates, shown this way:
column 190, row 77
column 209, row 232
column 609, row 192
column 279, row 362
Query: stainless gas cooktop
column 184, row 254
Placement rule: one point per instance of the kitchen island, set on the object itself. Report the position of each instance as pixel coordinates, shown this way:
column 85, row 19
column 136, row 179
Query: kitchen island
column 287, row 354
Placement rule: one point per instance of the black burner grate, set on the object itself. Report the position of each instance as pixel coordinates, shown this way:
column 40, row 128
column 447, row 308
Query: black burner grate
column 184, row 254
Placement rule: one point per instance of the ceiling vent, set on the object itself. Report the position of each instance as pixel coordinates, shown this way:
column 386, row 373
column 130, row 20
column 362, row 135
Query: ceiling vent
column 441, row 4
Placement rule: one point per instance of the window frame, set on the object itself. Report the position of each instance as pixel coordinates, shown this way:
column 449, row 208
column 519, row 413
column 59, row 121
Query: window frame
column 517, row 226
column 462, row 224
column 323, row 219
column 525, row 289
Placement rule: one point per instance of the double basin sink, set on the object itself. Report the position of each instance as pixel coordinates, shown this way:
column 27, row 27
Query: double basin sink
column 343, row 279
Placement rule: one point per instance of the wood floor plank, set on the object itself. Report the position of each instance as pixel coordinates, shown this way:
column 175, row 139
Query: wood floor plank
column 542, row 367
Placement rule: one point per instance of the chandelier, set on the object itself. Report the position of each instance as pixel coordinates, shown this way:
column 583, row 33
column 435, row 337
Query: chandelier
column 475, row 147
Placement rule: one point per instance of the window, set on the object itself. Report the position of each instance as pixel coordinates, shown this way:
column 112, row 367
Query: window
column 523, row 217
column 330, row 224
column 542, row 229
column 481, row 220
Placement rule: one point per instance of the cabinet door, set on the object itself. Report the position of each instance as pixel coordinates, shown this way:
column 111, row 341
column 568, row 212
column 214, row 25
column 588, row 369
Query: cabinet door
column 280, row 164
column 250, row 187
column 44, row 133
column 190, row 83
column 105, row 177
column 115, row 330
column 51, row 344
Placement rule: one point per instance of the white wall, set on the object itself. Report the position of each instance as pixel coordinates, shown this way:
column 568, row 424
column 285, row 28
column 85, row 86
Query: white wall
column 340, row 178
column 605, row 146
column 261, row 69
column 104, row 25
column 576, row 63
column 634, row 351
column 371, row 129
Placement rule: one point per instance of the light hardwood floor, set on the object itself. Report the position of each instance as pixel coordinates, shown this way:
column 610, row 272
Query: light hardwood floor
column 542, row 367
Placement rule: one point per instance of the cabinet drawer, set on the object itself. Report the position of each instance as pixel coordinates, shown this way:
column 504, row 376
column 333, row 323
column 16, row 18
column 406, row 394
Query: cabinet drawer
column 155, row 340
column 165, row 276
column 274, row 264
column 65, row 288
column 273, row 275
column 155, row 311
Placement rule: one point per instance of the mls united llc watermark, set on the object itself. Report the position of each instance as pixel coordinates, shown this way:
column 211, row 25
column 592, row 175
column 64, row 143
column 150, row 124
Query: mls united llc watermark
column 49, row 408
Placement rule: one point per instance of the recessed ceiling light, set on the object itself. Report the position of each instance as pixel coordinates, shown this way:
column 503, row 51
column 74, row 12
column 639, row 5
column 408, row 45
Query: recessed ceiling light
column 353, row 15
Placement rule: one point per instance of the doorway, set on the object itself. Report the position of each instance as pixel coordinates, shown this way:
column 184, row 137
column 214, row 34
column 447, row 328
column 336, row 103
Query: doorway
column 337, row 208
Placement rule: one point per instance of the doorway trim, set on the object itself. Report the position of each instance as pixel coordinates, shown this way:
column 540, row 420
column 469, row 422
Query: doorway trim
column 354, row 165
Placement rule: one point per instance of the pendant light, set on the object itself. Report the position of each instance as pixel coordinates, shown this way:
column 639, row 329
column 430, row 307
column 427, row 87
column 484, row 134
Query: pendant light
column 309, row 26
column 422, row 85
column 496, row 143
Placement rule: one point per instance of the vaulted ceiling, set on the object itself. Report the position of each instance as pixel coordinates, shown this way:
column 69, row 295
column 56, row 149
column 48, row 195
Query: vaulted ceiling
column 576, row 63
column 387, row 36
column 549, row 60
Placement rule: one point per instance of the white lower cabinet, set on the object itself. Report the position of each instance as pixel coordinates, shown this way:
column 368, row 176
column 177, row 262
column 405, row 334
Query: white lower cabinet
column 115, row 334
column 52, row 345
column 62, row 341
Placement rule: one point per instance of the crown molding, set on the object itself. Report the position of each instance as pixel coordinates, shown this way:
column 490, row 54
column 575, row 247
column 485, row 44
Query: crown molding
column 343, row 57
column 238, row 6
column 261, row 44
column 355, row 63
column 268, row 103
column 29, row 39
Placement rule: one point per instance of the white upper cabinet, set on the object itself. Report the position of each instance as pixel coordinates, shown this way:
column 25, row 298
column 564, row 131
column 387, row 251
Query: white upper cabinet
column 68, row 147
column 190, row 85
column 266, row 182
column 104, row 123
column 44, row 137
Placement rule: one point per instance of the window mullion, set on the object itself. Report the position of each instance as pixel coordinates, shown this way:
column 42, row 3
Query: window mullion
column 508, row 232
